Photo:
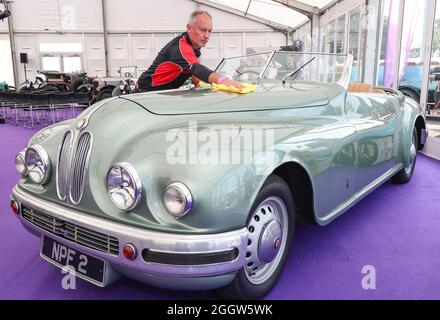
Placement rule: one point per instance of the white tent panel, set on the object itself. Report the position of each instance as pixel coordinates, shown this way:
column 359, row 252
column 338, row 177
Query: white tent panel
column 170, row 15
column 143, row 51
column 266, row 9
column 118, row 52
column 232, row 45
column 6, row 72
column 94, row 54
column 27, row 44
column 235, row 4
column 276, row 12
column 275, row 40
column 224, row 21
column 4, row 26
column 81, row 15
column 271, row 10
column 75, row 15
column 317, row 3
column 212, row 53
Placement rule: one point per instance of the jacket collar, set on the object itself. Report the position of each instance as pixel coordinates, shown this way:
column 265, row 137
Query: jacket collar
column 197, row 51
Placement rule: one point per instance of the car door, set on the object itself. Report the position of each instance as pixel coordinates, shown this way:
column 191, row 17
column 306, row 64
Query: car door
column 375, row 118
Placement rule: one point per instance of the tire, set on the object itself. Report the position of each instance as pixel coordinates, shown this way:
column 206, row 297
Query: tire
column 411, row 94
column 405, row 174
column 116, row 92
column 273, row 209
column 104, row 95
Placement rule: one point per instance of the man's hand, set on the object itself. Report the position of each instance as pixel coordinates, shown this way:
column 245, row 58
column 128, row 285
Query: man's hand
column 232, row 83
column 220, row 79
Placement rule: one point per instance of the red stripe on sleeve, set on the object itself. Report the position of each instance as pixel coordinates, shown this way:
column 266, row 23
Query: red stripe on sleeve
column 165, row 73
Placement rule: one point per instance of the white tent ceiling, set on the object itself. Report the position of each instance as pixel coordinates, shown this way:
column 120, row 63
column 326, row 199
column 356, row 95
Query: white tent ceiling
column 271, row 10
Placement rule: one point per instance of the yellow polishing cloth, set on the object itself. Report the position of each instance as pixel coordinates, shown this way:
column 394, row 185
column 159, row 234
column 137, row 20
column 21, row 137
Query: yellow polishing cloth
column 221, row 87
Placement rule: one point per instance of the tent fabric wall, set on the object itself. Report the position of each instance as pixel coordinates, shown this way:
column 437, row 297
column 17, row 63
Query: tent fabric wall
column 6, row 72
column 135, row 32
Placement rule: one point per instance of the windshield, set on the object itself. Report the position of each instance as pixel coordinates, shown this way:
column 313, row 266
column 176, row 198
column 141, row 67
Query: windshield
column 288, row 66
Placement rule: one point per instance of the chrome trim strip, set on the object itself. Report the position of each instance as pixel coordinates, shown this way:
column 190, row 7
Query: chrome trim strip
column 61, row 177
column 76, row 185
column 141, row 238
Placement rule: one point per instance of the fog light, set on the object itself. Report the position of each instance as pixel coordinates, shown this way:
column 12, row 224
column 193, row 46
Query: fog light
column 14, row 206
column 178, row 199
column 129, row 251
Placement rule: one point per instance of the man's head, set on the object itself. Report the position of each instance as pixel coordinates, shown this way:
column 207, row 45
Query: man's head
column 199, row 28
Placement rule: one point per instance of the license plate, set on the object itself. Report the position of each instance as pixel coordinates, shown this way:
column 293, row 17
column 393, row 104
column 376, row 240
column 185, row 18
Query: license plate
column 86, row 267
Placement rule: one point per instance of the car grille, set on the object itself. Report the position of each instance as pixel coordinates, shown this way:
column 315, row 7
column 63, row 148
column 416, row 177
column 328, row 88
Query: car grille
column 72, row 166
column 63, row 166
column 79, row 167
column 83, row 236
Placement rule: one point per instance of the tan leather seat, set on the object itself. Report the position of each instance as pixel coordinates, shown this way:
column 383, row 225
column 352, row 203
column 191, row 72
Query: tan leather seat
column 363, row 87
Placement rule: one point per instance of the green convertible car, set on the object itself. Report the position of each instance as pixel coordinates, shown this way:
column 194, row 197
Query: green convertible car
column 201, row 189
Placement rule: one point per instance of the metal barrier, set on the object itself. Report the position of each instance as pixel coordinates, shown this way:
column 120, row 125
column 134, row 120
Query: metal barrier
column 40, row 108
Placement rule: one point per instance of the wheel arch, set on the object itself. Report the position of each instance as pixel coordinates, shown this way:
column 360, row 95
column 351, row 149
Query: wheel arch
column 415, row 91
column 301, row 188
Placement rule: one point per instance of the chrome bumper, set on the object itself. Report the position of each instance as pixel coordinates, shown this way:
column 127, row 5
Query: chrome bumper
column 156, row 242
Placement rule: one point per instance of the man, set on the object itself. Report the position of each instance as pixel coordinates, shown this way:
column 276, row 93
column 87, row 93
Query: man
column 179, row 59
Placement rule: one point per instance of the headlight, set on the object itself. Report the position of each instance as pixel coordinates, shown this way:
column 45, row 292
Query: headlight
column 178, row 199
column 124, row 186
column 37, row 164
column 20, row 164
column 122, row 85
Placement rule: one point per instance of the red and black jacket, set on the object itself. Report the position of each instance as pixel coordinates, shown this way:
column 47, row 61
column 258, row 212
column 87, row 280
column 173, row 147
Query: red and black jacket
column 174, row 64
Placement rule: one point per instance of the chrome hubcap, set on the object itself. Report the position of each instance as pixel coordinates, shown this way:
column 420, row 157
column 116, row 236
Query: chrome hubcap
column 412, row 157
column 266, row 241
column 270, row 241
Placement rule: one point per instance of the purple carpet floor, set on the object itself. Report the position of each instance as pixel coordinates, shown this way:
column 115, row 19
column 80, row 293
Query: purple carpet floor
column 396, row 230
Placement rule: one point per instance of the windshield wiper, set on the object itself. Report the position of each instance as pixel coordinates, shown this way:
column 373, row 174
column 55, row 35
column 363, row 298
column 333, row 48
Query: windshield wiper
column 296, row 71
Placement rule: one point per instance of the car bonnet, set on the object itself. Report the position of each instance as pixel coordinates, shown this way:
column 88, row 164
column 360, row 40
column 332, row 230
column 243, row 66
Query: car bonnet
column 200, row 101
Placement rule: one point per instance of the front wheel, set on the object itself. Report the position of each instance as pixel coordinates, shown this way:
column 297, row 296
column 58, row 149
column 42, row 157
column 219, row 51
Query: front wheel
column 405, row 174
column 271, row 226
